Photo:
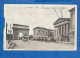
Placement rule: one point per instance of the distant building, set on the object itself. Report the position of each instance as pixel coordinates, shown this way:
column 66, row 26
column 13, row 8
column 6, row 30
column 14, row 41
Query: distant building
column 61, row 29
column 20, row 31
column 50, row 33
column 9, row 34
column 42, row 33
column 72, row 25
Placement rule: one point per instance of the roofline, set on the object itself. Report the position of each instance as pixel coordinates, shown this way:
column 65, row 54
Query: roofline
column 60, row 18
column 42, row 28
column 20, row 28
column 21, row 25
column 72, row 9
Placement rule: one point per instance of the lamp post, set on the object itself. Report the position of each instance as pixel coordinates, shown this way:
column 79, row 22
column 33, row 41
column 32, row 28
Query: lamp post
column 10, row 34
column 6, row 30
column 9, row 40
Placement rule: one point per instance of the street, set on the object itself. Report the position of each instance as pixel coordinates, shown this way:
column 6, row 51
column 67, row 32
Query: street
column 41, row 45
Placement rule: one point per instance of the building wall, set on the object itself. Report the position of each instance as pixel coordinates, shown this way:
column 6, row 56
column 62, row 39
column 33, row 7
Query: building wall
column 56, row 34
column 72, row 26
column 72, row 16
column 41, row 33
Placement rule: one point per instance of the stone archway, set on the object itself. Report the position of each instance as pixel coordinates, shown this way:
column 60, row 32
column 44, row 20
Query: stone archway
column 20, row 35
column 20, row 31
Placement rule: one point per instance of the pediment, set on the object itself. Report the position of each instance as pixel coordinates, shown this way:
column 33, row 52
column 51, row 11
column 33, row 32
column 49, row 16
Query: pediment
column 61, row 20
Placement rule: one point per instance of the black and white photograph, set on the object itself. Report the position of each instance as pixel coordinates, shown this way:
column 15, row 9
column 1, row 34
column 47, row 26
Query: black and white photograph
column 40, row 27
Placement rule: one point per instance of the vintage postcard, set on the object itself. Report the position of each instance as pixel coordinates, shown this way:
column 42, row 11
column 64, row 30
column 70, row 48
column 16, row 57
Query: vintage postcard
column 40, row 27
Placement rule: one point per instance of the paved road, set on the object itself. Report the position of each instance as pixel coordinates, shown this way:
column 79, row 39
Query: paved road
column 38, row 45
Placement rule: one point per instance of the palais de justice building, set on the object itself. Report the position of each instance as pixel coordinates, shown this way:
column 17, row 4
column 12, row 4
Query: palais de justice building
column 65, row 28
column 61, row 32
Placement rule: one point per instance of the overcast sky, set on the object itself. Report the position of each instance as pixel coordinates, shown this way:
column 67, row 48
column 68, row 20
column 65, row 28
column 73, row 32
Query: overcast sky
column 34, row 15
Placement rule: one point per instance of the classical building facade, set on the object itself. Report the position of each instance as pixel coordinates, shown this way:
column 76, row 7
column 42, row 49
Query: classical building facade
column 42, row 33
column 72, row 25
column 20, row 31
column 61, row 29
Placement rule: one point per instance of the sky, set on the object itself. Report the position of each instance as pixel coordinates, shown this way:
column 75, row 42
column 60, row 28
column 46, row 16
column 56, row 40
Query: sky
column 35, row 15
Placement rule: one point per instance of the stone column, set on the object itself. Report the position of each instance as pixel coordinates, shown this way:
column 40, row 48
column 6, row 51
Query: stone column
column 61, row 30
column 59, row 34
column 36, row 31
column 58, row 31
column 64, row 30
column 67, row 30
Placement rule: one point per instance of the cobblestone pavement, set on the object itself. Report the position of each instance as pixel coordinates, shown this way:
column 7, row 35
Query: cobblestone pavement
column 41, row 45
